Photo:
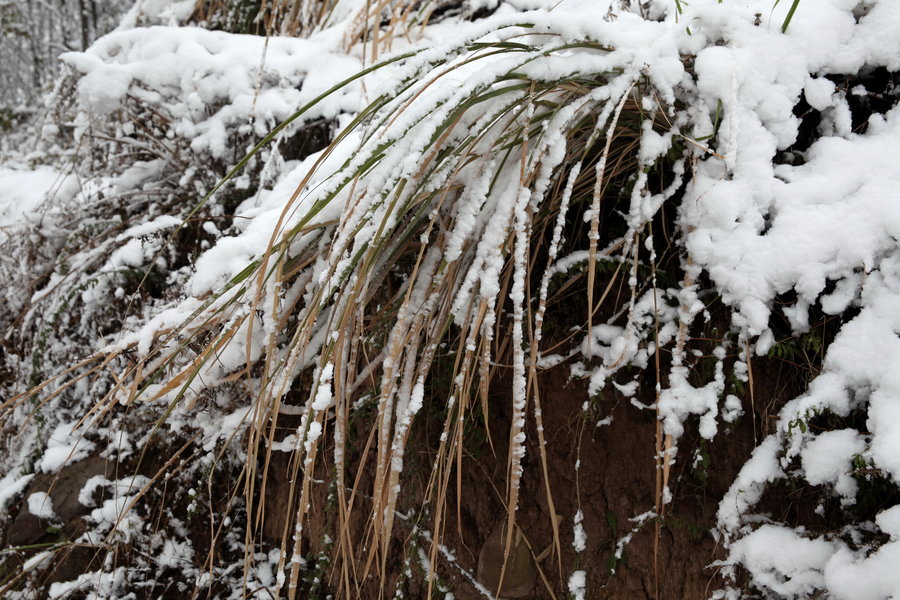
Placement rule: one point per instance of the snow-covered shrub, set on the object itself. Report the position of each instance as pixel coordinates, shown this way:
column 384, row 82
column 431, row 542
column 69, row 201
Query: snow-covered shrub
column 153, row 141
column 115, row 240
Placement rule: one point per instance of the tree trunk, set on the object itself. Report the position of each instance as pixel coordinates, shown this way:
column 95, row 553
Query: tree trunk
column 85, row 24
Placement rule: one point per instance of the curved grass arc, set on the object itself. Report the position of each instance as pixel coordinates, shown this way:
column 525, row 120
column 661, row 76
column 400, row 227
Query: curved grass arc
column 517, row 143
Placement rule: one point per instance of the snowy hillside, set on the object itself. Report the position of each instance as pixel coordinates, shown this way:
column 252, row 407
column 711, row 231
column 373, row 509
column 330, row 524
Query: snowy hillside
column 316, row 299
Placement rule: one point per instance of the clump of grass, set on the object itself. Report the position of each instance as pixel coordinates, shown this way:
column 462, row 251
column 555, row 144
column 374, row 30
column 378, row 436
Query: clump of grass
column 372, row 26
column 464, row 181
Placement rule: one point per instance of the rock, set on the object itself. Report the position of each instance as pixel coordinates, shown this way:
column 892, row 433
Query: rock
column 63, row 488
column 521, row 571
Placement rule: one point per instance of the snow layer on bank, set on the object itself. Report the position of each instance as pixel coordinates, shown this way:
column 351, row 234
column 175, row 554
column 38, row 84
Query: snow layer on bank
column 825, row 231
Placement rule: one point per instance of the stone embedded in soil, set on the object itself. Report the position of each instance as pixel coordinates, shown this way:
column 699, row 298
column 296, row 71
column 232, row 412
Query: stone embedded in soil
column 520, row 573
column 63, row 488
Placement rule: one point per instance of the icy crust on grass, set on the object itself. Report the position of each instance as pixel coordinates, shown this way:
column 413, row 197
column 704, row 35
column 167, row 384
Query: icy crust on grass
column 477, row 214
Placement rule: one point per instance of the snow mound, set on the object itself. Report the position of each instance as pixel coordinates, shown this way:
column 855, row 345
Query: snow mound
column 244, row 81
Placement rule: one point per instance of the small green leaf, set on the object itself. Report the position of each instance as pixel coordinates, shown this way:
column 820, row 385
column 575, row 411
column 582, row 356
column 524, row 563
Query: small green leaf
column 613, row 522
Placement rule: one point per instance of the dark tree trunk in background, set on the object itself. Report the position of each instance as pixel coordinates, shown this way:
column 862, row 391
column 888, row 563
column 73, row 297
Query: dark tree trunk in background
column 35, row 32
column 94, row 25
column 85, row 24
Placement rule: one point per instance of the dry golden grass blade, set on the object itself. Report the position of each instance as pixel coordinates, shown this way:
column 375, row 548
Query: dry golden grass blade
column 438, row 483
column 346, row 353
column 484, row 370
column 309, row 459
column 378, row 23
column 349, row 509
column 404, row 340
column 535, row 351
column 453, row 424
column 32, row 392
column 519, row 375
column 751, row 386
column 260, row 433
column 599, row 183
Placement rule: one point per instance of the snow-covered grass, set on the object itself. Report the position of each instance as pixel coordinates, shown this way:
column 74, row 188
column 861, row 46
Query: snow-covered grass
column 469, row 172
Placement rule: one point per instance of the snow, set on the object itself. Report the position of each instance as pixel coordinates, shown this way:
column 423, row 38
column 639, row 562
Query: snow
column 214, row 68
column 41, row 506
column 174, row 554
column 579, row 540
column 37, row 560
column 747, row 488
column 65, row 445
column 828, row 457
column 169, row 12
column 24, row 192
column 854, row 578
column 324, row 397
column 889, row 522
column 781, row 562
column 86, row 493
column 156, row 225
column 578, row 584
column 11, row 486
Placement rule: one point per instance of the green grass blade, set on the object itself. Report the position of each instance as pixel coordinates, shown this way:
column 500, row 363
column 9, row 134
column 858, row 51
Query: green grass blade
column 790, row 15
